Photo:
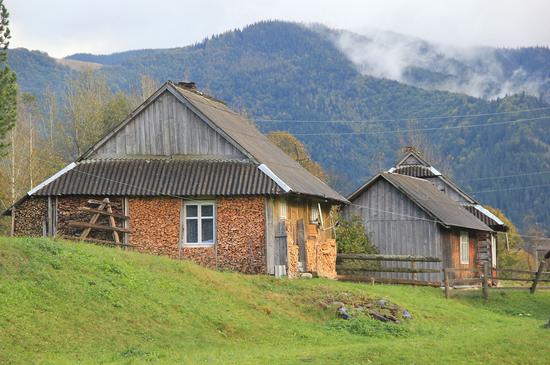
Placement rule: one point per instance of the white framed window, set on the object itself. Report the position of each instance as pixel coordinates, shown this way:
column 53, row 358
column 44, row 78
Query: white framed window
column 199, row 223
column 464, row 248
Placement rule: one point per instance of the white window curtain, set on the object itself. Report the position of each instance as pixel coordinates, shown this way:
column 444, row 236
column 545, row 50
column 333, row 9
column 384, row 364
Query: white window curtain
column 464, row 248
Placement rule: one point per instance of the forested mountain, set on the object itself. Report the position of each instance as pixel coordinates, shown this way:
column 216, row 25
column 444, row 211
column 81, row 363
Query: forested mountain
column 302, row 79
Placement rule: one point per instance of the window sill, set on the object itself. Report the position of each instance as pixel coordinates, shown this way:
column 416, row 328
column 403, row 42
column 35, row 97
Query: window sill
column 198, row 245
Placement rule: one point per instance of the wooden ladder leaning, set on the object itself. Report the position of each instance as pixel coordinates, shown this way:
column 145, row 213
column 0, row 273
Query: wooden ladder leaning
column 101, row 208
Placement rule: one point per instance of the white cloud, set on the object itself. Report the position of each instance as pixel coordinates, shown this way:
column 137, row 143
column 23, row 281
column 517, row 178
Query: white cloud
column 61, row 27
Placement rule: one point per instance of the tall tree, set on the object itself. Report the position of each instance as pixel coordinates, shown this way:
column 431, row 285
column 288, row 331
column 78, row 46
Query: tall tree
column 8, row 88
column 92, row 109
column 148, row 86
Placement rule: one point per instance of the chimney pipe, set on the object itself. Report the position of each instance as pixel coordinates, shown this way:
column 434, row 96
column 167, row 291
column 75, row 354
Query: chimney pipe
column 188, row 85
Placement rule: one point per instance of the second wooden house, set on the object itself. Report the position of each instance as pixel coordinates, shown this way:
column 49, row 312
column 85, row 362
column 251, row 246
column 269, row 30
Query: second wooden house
column 413, row 209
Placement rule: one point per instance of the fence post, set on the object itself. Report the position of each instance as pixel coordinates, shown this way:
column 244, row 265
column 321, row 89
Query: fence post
column 485, row 280
column 542, row 265
column 446, row 282
column 413, row 267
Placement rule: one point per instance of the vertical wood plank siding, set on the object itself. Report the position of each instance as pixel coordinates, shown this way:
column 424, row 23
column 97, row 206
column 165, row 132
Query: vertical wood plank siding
column 397, row 226
column 167, row 128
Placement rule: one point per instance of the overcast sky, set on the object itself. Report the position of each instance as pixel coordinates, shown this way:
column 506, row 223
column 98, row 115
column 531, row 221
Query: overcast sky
column 63, row 27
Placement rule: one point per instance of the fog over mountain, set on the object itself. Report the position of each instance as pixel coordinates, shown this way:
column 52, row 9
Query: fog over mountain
column 477, row 71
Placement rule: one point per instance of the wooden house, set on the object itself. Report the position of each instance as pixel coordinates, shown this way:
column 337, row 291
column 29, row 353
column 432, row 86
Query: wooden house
column 413, row 209
column 187, row 177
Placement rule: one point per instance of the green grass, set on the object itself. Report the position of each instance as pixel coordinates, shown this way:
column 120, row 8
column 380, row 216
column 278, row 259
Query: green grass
column 65, row 303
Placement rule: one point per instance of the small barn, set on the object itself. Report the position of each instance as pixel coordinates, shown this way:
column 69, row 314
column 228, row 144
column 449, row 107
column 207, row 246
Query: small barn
column 187, row 177
column 413, row 209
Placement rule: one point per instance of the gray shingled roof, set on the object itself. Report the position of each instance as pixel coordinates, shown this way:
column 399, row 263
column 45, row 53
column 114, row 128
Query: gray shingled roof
column 161, row 177
column 246, row 135
column 438, row 204
column 425, row 195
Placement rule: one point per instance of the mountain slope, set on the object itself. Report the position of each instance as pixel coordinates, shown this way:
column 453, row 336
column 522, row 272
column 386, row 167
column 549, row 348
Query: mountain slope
column 286, row 71
column 66, row 303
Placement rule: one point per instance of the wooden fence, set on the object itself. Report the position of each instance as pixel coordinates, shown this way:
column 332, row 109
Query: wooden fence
column 364, row 268
column 488, row 275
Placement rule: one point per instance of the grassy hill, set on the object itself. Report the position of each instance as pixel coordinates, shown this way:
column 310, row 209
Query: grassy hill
column 66, row 303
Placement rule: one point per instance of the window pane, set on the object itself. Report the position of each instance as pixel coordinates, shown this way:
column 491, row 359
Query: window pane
column 192, row 234
column 207, row 210
column 207, row 230
column 191, row 210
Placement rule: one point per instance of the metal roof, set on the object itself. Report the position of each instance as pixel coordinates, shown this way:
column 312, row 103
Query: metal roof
column 245, row 134
column 478, row 211
column 414, row 170
column 161, row 177
column 429, row 198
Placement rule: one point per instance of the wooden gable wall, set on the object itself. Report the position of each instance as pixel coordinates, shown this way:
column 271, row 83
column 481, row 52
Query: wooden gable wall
column 166, row 127
column 397, row 226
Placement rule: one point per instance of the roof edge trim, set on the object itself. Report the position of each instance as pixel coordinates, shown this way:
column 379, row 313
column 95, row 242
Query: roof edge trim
column 55, row 176
column 488, row 213
column 434, row 171
column 266, row 170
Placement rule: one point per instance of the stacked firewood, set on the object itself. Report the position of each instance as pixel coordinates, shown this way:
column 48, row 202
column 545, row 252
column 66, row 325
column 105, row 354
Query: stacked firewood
column 155, row 224
column 31, row 217
column 241, row 234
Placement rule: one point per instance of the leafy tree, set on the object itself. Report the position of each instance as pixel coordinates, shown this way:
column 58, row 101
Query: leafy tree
column 351, row 237
column 297, row 151
column 148, row 86
column 92, row 110
column 510, row 247
column 8, row 88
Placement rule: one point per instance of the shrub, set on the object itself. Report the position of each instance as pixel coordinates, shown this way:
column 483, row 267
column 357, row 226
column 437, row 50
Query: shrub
column 351, row 237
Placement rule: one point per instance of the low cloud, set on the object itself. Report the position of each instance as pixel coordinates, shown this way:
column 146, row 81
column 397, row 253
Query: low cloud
column 475, row 71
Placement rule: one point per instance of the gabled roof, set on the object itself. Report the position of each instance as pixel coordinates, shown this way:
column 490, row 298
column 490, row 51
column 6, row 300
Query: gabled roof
column 412, row 158
column 437, row 204
column 245, row 134
column 284, row 174
column 412, row 164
